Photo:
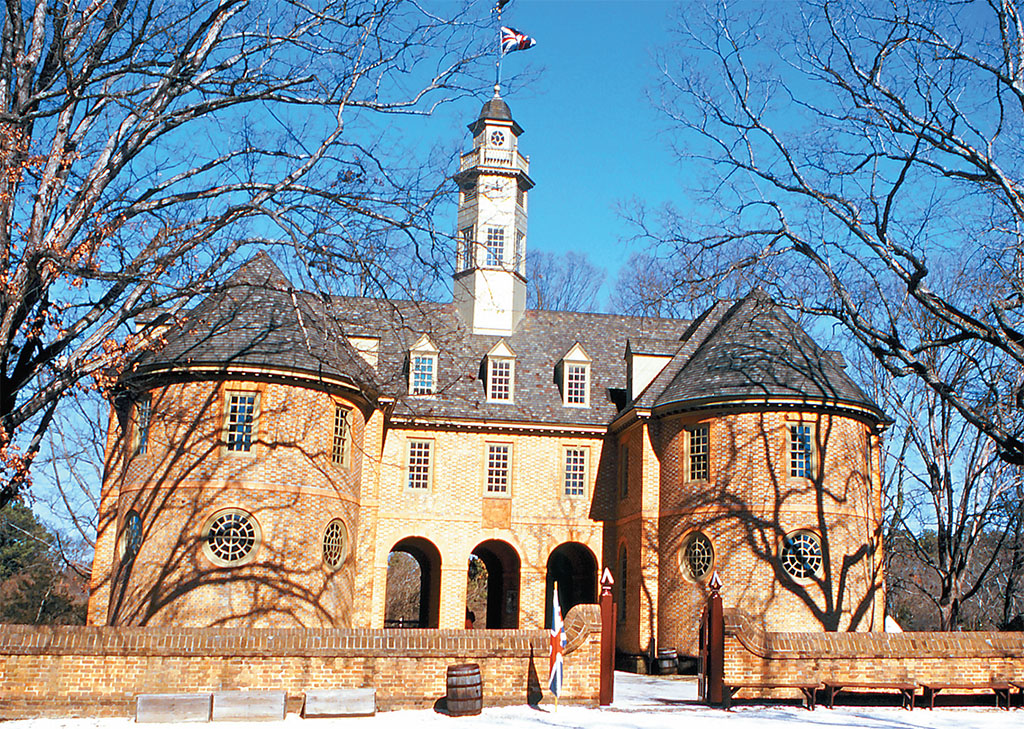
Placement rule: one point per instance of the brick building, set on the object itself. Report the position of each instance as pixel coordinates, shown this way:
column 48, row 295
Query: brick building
column 267, row 464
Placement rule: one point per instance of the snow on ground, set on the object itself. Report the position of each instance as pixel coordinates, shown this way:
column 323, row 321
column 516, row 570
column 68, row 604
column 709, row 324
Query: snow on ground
column 641, row 702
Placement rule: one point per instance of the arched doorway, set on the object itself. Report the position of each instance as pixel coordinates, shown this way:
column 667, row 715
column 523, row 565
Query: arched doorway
column 412, row 597
column 573, row 566
column 493, row 592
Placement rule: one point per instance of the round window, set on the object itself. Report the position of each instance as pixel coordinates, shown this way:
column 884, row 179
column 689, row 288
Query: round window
column 497, row 139
column 801, row 555
column 335, row 543
column 697, row 556
column 231, row 537
column 131, row 536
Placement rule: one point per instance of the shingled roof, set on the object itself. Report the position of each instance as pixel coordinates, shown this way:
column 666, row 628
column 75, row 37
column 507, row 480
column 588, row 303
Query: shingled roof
column 751, row 350
column 756, row 352
column 257, row 319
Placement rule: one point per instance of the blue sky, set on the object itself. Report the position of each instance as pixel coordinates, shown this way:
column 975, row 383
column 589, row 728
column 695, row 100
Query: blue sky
column 592, row 136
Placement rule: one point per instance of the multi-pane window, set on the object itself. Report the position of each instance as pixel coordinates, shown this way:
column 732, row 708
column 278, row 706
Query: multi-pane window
column 241, row 421
column 499, row 384
column 420, row 463
column 576, row 389
column 520, row 250
column 801, row 555
column 575, row 471
column 466, row 248
column 697, row 453
column 342, row 435
column 423, row 374
column 498, row 464
column 143, row 415
column 800, row 451
column 495, row 246
column 520, row 197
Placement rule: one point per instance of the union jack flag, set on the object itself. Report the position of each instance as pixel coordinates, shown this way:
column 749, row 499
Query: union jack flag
column 557, row 645
column 513, row 40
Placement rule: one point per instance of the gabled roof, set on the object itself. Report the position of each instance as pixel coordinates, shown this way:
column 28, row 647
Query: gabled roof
column 757, row 353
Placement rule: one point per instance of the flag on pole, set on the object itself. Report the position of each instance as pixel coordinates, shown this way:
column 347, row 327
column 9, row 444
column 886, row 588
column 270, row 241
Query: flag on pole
column 513, row 40
column 557, row 645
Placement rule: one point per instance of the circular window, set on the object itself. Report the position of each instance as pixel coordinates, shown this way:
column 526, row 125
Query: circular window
column 497, row 139
column 335, row 543
column 801, row 555
column 231, row 537
column 131, row 536
column 697, row 556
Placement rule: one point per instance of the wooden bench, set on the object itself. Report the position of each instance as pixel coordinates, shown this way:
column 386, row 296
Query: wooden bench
column 907, row 690
column 1019, row 685
column 1000, row 688
column 809, row 690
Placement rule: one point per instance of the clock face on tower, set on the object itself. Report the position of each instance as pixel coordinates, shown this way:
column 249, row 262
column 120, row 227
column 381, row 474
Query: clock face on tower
column 497, row 138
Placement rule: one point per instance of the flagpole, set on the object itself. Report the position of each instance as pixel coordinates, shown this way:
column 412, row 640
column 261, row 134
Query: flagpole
column 497, row 65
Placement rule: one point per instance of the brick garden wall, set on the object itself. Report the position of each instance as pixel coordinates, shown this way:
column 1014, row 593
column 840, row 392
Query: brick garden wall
column 91, row 671
column 752, row 654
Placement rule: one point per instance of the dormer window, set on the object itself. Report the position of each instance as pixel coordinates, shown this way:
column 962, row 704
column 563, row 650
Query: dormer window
column 423, row 367
column 501, row 371
column 495, row 246
column 576, row 377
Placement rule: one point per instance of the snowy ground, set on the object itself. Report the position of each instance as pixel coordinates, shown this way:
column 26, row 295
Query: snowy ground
column 641, row 702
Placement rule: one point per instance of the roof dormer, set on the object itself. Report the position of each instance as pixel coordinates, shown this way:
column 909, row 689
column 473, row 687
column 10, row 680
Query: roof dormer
column 574, row 377
column 501, row 373
column 423, row 367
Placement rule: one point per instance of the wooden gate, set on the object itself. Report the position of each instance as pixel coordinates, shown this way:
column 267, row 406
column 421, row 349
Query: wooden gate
column 712, row 647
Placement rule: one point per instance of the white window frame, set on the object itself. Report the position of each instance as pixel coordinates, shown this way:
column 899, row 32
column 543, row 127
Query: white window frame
column 423, row 471
column 802, row 464
column 341, row 436
column 582, row 474
column 229, row 423
column 575, row 361
column 690, row 444
column 423, row 351
column 493, row 364
column 494, row 247
column 466, row 249
column 497, row 480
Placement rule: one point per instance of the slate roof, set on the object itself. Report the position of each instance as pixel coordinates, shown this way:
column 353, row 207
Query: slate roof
column 257, row 319
column 751, row 349
column 756, row 351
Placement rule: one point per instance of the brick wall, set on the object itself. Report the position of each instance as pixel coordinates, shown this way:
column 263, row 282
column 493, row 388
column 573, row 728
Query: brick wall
column 752, row 654
column 90, row 671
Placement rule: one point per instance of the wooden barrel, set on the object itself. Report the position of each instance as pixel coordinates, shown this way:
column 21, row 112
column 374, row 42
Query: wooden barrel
column 667, row 661
column 465, row 690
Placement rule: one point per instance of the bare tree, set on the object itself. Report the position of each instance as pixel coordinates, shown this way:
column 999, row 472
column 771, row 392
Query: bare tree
column 147, row 146
column 852, row 149
column 946, row 489
column 566, row 282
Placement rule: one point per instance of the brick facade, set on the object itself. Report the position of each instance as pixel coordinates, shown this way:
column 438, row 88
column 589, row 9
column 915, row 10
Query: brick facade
column 755, row 655
column 74, row 671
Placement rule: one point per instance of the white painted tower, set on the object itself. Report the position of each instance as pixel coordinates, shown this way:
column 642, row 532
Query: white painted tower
column 490, row 267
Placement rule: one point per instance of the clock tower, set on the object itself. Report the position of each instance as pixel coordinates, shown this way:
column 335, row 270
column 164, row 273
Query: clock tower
column 490, row 264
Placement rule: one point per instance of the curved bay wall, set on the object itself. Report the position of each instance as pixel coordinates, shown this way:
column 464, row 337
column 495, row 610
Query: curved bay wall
column 750, row 503
column 287, row 486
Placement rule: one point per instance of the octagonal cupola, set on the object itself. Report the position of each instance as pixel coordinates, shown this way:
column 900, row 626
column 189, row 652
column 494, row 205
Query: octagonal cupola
column 489, row 286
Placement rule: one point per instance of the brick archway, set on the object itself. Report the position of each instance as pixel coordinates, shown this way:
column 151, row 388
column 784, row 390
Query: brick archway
column 502, row 563
column 418, row 585
column 573, row 566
